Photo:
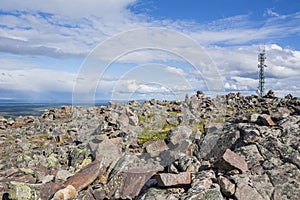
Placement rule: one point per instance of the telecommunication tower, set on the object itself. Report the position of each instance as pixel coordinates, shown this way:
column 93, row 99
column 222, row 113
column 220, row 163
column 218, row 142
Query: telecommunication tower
column 261, row 65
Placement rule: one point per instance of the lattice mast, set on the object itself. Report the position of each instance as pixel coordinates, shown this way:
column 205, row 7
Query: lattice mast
column 261, row 65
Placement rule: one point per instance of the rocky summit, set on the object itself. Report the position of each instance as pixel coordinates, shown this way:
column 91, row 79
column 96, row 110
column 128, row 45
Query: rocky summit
column 228, row 147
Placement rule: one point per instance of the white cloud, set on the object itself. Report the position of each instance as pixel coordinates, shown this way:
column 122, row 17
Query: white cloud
column 36, row 80
column 68, row 29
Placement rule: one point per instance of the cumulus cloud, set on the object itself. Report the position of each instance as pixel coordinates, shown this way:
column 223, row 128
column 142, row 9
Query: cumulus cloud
column 71, row 29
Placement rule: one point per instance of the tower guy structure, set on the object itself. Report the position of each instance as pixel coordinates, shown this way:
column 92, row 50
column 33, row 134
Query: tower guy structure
column 261, row 65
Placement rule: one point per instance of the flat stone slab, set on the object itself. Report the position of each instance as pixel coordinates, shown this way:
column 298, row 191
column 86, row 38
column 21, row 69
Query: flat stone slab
column 168, row 179
column 230, row 161
column 85, row 176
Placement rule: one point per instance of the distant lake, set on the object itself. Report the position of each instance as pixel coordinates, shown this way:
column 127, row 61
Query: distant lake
column 13, row 110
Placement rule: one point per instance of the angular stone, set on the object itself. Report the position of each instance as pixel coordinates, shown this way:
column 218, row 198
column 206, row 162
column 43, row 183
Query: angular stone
column 227, row 187
column 155, row 147
column 244, row 190
column 212, row 144
column 128, row 177
column 179, row 134
column 85, row 176
column 252, row 157
column 63, row 175
column 265, row 120
column 47, row 179
column 105, row 151
column 231, row 160
column 167, row 179
column 123, row 121
column 48, row 190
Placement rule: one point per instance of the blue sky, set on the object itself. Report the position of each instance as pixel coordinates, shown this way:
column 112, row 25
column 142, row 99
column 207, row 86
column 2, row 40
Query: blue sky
column 44, row 47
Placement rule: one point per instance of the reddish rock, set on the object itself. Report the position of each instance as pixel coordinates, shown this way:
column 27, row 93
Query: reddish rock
column 129, row 183
column 167, row 179
column 230, row 161
column 85, row 176
column 128, row 177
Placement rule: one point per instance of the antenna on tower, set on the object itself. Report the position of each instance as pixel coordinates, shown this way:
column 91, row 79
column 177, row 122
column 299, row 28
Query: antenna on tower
column 261, row 65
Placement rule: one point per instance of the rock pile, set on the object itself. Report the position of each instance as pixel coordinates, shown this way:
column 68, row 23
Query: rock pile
column 228, row 147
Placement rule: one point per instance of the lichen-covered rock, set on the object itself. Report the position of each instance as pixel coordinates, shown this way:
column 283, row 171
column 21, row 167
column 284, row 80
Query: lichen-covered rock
column 20, row 191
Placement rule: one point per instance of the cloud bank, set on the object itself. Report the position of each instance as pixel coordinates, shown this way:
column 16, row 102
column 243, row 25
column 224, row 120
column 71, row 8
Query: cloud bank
column 64, row 31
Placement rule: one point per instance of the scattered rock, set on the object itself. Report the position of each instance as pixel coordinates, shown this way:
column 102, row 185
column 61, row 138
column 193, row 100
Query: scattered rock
column 228, row 147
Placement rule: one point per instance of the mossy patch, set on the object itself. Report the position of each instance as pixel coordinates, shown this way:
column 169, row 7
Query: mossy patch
column 11, row 138
column 150, row 135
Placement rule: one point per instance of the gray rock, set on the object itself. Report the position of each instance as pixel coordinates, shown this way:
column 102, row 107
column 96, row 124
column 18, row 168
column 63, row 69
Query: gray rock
column 63, row 175
column 227, row 187
column 253, row 158
column 245, row 189
column 179, row 134
column 156, row 194
column 154, row 148
column 105, row 151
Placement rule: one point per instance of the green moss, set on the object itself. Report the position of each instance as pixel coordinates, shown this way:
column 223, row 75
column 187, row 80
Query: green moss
column 4, row 154
column 142, row 119
column 11, row 138
column 175, row 112
column 200, row 125
column 27, row 171
column 289, row 150
column 43, row 136
column 150, row 135
column 167, row 127
column 66, row 136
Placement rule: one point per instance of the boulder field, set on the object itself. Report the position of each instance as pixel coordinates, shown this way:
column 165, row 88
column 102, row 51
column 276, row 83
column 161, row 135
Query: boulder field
column 228, row 147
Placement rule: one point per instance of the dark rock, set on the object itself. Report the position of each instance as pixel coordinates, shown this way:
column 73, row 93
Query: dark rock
column 270, row 94
column 265, row 120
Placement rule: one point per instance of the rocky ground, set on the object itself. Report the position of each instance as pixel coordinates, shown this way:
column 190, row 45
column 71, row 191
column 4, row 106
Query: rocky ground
column 229, row 147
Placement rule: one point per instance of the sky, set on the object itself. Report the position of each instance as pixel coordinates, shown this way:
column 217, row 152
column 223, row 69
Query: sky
column 61, row 50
